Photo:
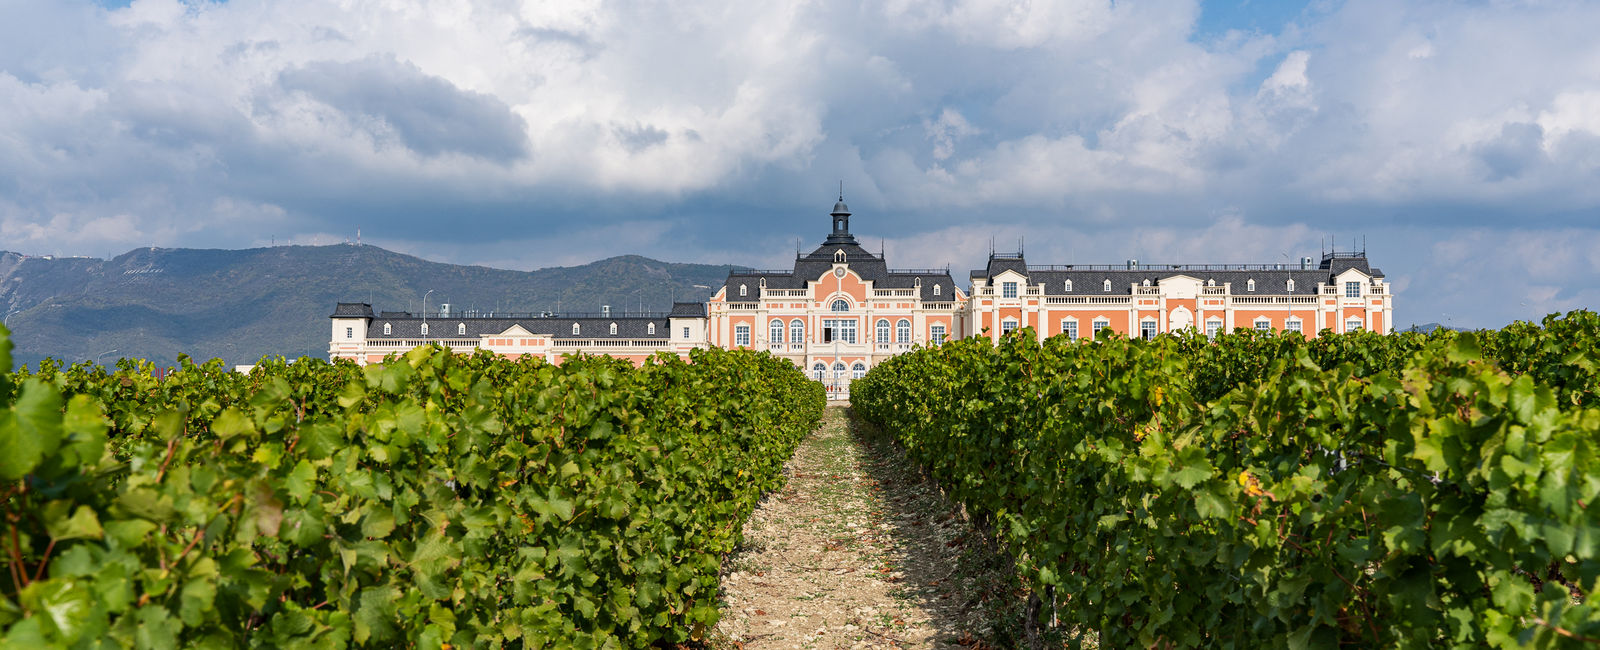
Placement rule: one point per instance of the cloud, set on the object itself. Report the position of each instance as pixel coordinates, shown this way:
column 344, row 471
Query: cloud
column 548, row 130
column 427, row 114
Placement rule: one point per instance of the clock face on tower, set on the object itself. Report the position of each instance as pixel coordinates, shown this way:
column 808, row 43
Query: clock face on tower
column 838, row 272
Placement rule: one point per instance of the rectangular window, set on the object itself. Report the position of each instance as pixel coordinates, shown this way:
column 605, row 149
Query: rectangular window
column 1147, row 329
column 1352, row 325
column 1293, row 326
column 1263, row 325
column 1212, row 327
column 1100, row 325
column 686, row 332
column 741, row 335
column 1007, row 327
column 936, row 334
column 349, row 332
column 1070, row 328
column 1352, row 289
column 839, row 329
column 1008, row 290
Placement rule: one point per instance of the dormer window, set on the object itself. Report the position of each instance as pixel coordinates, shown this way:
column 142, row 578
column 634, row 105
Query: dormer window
column 387, row 330
column 1108, row 285
column 424, row 329
column 936, row 290
column 650, row 329
column 613, row 329
column 1068, row 287
column 838, row 256
column 1289, row 286
column 743, row 291
column 1147, row 282
column 1212, row 282
column 1250, row 285
column 575, row 329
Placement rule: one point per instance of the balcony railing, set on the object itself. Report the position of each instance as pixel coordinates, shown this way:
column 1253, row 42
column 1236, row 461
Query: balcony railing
column 611, row 343
column 939, row 305
column 785, row 293
column 1274, row 300
column 894, row 293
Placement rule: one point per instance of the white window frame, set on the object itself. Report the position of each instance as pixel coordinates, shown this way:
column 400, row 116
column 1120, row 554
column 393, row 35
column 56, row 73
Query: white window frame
column 936, row 290
column 797, row 331
column 1008, row 326
column 880, row 330
column 349, row 332
column 686, row 332
column 838, row 366
column 775, row 330
column 1262, row 324
column 936, row 334
column 613, row 329
column 839, row 305
column 819, row 370
column 1108, row 285
column 1213, row 327
column 1069, row 327
column 741, row 335
column 1294, row 325
column 902, row 331
column 650, row 329
column 387, row 330
column 1149, row 328
column 1099, row 324
column 1352, row 289
column 1008, row 289
column 1359, row 324
column 1289, row 286
column 844, row 329
column 1250, row 285
column 1068, row 286
column 743, row 291
column 424, row 329
column 858, row 370
column 461, row 329
column 576, row 329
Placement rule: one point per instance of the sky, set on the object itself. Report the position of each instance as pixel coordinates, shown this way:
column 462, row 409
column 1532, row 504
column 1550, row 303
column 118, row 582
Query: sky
column 1458, row 143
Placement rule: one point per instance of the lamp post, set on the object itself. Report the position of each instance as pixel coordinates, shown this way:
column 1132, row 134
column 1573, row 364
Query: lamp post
column 425, row 316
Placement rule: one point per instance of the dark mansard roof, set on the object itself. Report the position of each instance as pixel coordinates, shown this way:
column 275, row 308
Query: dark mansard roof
column 1090, row 278
column 406, row 325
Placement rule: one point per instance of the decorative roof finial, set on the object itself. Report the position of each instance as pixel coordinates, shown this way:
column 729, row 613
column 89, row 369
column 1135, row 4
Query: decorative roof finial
column 841, row 189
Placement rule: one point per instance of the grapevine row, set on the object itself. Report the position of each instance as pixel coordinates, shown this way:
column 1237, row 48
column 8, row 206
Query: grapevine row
column 1273, row 492
column 434, row 499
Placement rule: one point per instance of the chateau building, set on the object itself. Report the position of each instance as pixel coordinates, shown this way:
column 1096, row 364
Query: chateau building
column 1342, row 293
column 841, row 310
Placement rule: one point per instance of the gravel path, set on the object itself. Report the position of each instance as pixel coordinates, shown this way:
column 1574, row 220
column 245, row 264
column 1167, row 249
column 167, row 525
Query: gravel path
column 856, row 551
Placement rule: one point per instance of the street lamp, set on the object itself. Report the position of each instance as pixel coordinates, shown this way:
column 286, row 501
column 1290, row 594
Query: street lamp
column 425, row 316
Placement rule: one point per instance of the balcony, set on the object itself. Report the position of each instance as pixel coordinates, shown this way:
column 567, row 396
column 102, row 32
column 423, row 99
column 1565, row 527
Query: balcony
column 1274, row 300
column 581, row 344
column 785, row 293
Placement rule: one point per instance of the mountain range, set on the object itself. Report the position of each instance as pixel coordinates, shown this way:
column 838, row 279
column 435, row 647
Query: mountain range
column 240, row 305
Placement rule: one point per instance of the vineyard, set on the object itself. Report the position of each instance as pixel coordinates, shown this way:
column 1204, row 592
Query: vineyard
column 435, row 500
column 1268, row 491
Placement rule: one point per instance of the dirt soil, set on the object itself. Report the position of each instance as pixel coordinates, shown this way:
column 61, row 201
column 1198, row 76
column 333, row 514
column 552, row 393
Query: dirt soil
column 857, row 551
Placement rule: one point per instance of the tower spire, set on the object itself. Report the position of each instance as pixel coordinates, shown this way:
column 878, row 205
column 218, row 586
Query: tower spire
column 841, row 221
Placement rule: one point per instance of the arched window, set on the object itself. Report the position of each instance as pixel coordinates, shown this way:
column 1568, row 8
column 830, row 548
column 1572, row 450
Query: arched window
column 817, row 371
column 386, row 329
column 936, row 290
column 775, row 331
column 1289, row 286
column 840, row 305
column 858, row 370
column 797, row 331
column 1108, row 284
column 1068, row 288
column 1250, row 285
column 838, row 370
column 461, row 329
column 651, row 328
column 902, row 331
column 613, row 329
column 575, row 329
column 424, row 329
column 883, row 330
column 838, row 256
column 743, row 290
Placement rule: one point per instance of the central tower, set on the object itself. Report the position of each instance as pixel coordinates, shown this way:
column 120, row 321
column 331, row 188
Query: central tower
column 841, row 224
